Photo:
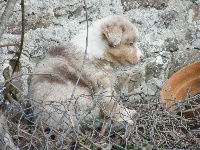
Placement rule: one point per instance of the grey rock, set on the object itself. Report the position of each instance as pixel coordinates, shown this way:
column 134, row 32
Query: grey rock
column 169, row 36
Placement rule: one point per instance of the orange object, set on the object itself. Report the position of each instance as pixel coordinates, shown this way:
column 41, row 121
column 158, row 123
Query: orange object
column 183, row 84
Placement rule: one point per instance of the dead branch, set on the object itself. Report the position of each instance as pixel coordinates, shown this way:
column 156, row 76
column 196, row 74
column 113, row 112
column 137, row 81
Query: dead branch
column 11, row 44
column 22, row 35
column 27, row 74
column 6, row 141
column 126, row 82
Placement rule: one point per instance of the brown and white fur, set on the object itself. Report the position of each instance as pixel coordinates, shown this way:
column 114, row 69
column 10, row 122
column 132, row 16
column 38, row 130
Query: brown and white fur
column 111, row 41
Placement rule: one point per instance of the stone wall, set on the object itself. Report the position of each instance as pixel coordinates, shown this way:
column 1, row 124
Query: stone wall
column 169, row 36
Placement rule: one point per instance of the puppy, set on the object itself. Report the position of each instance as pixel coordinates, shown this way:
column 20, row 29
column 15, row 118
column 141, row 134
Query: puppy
column 58, row 102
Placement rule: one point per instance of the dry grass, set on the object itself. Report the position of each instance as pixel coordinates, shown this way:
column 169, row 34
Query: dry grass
column 153, row 128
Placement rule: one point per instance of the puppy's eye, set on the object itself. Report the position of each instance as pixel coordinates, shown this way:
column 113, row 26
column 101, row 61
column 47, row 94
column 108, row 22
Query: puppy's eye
column 131, row 44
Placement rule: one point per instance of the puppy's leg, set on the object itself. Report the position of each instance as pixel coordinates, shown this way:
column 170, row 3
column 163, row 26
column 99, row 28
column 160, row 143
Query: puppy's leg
column 116, row 111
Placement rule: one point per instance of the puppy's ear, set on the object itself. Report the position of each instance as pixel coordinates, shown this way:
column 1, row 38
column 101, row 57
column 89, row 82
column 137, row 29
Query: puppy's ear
column 113, row 33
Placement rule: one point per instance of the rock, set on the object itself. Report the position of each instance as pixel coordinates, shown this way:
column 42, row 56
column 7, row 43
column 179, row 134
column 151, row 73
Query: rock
column 171, row 45
column 169, row 36
column 183, row 58
column 154, row 68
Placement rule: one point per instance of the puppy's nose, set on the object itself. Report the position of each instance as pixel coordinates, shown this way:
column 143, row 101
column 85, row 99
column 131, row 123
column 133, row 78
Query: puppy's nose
column 141, row 57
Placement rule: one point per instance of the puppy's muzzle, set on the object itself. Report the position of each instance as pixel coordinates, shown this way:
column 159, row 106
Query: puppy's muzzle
column 140, row 56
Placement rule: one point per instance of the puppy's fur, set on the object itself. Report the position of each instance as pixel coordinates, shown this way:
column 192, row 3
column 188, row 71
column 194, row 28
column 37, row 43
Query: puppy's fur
column 112, row 41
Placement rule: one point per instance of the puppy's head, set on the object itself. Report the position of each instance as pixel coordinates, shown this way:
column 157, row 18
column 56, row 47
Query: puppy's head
column 121, row 36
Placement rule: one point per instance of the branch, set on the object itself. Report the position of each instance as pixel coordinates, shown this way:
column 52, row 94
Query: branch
column 85, row 54
column 6, row 141
column 6, row 15
column 22, row 35
column 12, row 44
column 23, row 74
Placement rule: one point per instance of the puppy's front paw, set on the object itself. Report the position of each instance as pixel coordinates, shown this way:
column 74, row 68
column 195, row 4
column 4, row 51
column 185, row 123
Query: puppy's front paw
column 127, row 115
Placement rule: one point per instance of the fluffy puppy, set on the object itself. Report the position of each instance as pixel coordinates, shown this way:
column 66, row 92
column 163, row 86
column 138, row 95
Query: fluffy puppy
column 111, row 41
